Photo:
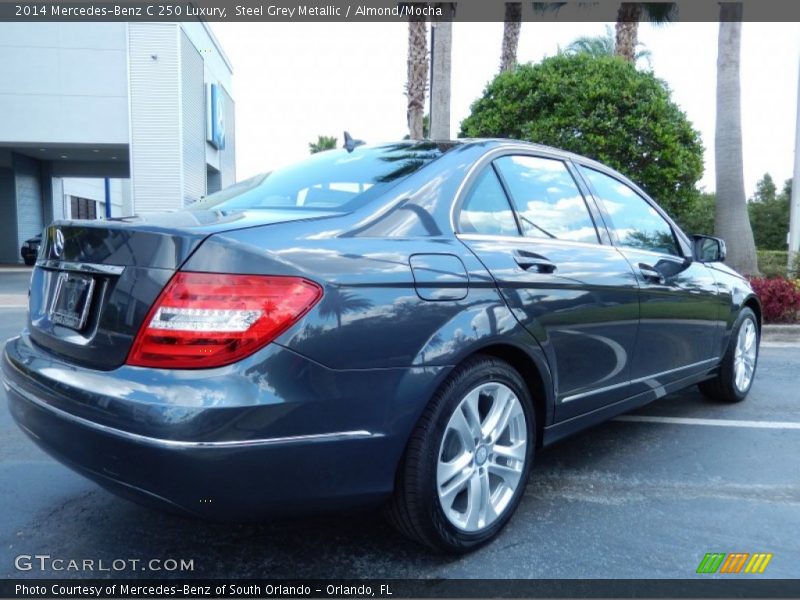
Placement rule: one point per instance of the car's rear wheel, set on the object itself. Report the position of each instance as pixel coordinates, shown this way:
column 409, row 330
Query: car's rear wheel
column 467, row 462
column 738, row 367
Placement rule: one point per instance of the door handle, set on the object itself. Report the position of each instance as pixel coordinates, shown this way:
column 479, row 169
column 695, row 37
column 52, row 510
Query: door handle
column 529, row 260
column 651, row 274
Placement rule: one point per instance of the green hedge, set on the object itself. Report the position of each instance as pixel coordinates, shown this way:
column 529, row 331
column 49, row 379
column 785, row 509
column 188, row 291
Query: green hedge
column 773, row 263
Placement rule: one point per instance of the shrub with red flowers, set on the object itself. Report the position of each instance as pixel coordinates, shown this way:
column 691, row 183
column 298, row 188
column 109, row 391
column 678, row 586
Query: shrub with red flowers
column 780, row 299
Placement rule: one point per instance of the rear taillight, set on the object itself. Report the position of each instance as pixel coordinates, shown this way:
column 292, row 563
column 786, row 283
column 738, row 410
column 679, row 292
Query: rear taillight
column 204, row 320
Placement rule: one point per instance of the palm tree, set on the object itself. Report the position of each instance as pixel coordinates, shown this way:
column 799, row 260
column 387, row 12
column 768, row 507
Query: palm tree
column 324, row 142
column 337, row 303
column 441, row 67
column 731, row 221
column 417, row 82
column 512, row 24
column 628, row 17
column 426, row 128
column 601, row 45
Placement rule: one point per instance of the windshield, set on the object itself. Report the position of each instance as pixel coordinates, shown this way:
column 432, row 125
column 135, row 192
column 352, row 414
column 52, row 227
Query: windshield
column 335, row 180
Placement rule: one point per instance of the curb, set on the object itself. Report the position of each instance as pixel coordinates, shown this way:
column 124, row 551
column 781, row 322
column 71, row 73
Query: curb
column 781, row 333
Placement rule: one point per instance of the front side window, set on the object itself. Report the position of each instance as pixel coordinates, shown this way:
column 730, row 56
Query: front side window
column 635, row 223
column 486, row 209
column 335, row 180
column 547, row 199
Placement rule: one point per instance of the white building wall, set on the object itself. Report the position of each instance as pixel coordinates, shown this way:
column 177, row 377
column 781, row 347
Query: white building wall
column 194, row 122
column 156, row 153
column 217, row 69
column 29, row 198
column 60, row 209
column 169, row 65
column 75, row 96
column 227, row 156
column 63, row 83
column 217, row 66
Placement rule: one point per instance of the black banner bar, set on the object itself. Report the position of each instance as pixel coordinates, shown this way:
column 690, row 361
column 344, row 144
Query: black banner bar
column 366, row 11
column 710, row 587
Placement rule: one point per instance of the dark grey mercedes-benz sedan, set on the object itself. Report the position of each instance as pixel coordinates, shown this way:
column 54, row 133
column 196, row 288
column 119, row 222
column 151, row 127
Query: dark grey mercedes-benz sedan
column 400, row 324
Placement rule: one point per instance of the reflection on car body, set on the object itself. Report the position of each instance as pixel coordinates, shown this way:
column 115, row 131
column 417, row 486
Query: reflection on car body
column 401, row 324
column 30, row 250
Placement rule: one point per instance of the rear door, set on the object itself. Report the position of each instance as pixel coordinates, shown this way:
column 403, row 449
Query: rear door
column 561, row 278
column 678, row 330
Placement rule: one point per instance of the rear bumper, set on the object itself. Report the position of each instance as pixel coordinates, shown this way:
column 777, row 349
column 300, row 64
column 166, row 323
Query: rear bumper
column 328, row 440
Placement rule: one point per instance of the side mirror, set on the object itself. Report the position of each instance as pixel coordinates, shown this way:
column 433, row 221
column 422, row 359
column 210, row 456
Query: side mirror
column 709, row 249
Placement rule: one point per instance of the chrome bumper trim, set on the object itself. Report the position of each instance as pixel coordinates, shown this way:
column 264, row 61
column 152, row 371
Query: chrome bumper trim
column 187, row 445
column 81, row 267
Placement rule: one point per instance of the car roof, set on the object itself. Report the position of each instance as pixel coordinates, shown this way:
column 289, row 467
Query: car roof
column 511, row 143
column 498, row 142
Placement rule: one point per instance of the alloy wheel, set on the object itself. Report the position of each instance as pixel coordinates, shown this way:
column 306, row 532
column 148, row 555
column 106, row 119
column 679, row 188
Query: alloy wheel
column 744, row 362
column 482, row 457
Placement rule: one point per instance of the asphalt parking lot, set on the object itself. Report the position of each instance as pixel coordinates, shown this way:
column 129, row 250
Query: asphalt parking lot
column 641, row 498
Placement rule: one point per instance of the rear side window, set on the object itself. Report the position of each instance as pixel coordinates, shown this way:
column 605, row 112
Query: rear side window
column 547, row 199
column 486, row 209
column 335, row 180
column 635, row 223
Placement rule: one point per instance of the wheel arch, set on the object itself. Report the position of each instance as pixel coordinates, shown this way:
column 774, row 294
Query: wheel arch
column 753, row 303
column 535, row 375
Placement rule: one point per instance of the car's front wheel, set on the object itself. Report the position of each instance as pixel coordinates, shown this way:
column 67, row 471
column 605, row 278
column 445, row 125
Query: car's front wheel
column 738, row 367
column 467, row 462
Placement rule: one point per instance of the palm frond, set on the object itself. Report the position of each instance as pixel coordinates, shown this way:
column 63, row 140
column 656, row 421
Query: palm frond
column 599, row 45
column 659, row 13
column 602, row 45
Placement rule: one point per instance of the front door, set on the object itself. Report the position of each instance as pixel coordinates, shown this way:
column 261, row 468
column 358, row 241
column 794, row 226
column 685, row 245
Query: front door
column 678, row 331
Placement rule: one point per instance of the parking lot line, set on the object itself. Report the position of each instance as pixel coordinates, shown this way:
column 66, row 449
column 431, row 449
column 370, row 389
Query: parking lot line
column 711, row 422
column 13, row 301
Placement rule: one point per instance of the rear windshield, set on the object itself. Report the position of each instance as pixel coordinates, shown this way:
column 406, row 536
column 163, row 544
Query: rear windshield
column 335, row 180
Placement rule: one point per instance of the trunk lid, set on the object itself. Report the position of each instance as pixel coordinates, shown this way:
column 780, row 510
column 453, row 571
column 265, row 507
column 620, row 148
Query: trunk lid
column 95, row 281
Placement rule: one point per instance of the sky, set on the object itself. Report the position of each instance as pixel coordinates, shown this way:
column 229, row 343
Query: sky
column 295, row 81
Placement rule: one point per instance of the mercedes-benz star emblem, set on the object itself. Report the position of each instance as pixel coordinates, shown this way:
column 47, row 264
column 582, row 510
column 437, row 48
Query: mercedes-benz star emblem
column 58, row 244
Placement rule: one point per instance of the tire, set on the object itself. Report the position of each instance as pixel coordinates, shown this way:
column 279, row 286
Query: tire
column 437, row 449
column 726, row 385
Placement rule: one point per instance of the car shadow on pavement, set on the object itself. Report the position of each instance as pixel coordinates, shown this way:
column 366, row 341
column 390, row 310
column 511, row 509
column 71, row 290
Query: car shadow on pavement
column 96, row 524
column 596, row 467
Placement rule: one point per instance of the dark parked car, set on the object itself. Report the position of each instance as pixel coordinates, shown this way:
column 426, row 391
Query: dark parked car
column 401, row 324
column 30, row 249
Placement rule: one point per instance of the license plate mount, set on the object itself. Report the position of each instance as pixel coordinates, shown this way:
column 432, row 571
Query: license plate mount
column 72, row 298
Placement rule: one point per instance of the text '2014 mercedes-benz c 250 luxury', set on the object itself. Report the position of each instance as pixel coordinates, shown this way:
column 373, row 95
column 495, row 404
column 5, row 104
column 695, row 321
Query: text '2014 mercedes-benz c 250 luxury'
column 400, row 325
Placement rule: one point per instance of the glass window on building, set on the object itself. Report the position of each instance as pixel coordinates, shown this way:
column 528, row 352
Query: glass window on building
column 82, row 208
